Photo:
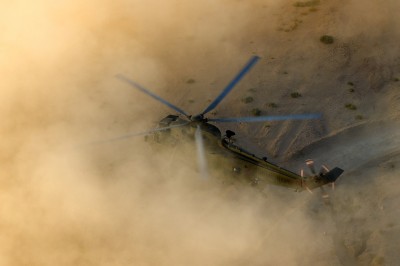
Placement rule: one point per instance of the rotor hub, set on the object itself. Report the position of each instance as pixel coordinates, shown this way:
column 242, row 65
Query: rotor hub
column 198, row 118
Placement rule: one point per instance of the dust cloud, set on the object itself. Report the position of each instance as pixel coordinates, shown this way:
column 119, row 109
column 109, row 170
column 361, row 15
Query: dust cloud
column 65, row 201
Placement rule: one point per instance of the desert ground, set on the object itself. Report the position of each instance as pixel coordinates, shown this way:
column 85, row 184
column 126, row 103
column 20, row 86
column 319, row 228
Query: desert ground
column 67, row 201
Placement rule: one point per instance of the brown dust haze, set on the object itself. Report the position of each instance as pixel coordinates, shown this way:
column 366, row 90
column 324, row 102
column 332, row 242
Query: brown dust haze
column 66, row 202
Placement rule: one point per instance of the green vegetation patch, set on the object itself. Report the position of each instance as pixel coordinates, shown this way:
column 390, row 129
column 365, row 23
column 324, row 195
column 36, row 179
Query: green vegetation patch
column 350, row 106
column 295, row 95
column 256, row 112
column 248, row 99
column 310, row 3
column 272, row 105
column 327, row 39
column 190, row 81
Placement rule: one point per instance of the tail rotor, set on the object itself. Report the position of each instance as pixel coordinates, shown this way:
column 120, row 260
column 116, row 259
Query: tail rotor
column 324, row 170
column 310, row 165
column 324, row 176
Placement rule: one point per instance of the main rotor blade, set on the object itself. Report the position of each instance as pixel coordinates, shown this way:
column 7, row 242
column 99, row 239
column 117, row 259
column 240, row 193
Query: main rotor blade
column 151, row 94
column 201, row 156
column 138, row 134
column 265, row 118
column 232, row 84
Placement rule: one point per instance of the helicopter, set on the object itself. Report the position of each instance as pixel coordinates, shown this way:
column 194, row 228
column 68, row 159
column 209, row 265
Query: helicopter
column 211, row 142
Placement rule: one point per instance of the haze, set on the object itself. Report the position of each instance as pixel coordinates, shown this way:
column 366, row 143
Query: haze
column 65, row 201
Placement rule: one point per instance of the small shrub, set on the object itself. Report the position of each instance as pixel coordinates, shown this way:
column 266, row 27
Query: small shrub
column 351, row 90
column 350, row 106
column 295, row 95
column 191, row 101
column 273, row 105
column 248, row 99
column 391, row 224
column 327, row 39
column 313, row 9
column 285, row 73
column 396, row 79
column 359, row 117
column 190, row 81
column 256, row 112
column 350, row 83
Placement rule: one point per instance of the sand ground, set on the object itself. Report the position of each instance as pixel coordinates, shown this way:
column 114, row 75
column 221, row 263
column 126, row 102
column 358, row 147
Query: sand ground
column 64, row 202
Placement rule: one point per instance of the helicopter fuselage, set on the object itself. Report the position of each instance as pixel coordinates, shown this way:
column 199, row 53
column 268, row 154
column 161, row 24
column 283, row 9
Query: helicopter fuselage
column 242, row 164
